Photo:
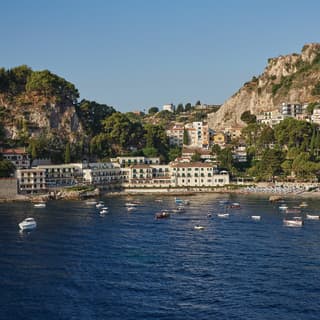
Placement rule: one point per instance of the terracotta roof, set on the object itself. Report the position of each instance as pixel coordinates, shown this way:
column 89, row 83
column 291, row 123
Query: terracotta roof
column 140, row 166
column 14, row 151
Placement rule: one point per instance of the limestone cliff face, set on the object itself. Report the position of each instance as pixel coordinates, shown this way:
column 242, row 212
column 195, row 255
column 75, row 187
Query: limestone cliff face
column 290, row 79
column 40, row 115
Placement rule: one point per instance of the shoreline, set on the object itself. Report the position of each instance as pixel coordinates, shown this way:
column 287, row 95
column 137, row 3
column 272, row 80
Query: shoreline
column 157, row 192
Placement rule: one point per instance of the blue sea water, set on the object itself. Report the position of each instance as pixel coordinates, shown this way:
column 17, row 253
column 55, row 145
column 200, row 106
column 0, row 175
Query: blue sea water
column 80, row 265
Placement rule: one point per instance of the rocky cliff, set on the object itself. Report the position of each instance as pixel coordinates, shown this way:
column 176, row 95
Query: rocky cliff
column 37, row 103
column 292, row 78
column 35, row 115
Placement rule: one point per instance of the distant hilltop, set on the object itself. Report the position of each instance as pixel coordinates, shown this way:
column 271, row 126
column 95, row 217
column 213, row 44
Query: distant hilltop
column 291, row 78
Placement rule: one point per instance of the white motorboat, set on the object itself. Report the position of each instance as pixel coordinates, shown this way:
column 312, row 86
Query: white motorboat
column 198, row 227
column 223, row 215
column 257, row 218
column 28, row 224
column 91, row 202
column 283, row 207
column 131, row 204
column 99, row 205
column 103, row 211
column 293, row 222
column 40, row 205
column 312, row 217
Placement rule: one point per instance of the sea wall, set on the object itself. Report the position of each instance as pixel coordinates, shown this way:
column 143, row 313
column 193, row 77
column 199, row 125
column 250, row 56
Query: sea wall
column 8, row 188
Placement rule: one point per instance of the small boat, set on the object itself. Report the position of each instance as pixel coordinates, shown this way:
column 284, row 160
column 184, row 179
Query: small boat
column 131, row 204
column 209, row 215
column 91, row 202
column 223, row 215
column 293, row 210
column 235, row 205
column 198, row 227
column 28, row 224
column 256, row 218
column 180, row 201
column 104, row 211
column 283, row 207
column 40, row 205
column 163, row 214
column 100, row 205
column 131, row 208
column 312, row 217
column 303, row 204
column 180, row 209
column 293, row 222
column 158, row 200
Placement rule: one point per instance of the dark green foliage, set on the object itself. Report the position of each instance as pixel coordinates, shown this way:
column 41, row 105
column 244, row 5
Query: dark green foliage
column 185, row 137
column 6, row 168
column 91, row 115
column 196, row 157
column 180, row 108
column 174, row 153
column 49, row 84
column 67, row 154
column 316, row 90
column 187, row 107
column 293, row 133
column 248, row 118
column 153, row 110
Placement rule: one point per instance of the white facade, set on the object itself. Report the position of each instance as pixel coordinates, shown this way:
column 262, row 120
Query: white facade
column 103, row 173
column 315, row 118
column 198, row 134
column 168, row 107
column 129, row 161
column 175, row 135
column 31, row 180
column 19, row 157
column 197, row 174
column 63, row 174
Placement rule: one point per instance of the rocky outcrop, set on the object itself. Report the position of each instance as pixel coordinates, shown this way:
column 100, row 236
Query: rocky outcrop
column 38, row 115
column 289, row 79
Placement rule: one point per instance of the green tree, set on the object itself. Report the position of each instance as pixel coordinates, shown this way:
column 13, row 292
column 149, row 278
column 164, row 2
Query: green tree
column 67, row 154
column 188, row 107
column 185, row 137
column 196, row 157
column 225, row 159
column 153, row 110
column 49, row 84
column 248, row 118
column 91, row 115
column 6, row 169
column 180, row 108
column 174, row 153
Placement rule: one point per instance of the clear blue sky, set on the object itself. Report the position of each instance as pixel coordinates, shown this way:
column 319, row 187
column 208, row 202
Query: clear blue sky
column 134, row 54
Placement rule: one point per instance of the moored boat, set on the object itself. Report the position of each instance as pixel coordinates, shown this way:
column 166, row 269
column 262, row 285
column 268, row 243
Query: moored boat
column 180, row 201
column 162, row 214
column 256, row 218
column 223, row 215
column 303, row 204
column 283, row 207
column 293, row 210
column 91, row 202
column 235, row 205
column 293, row 222
column 28, row 224
column 198, row 227
column 312, row 217
column 40, row 205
